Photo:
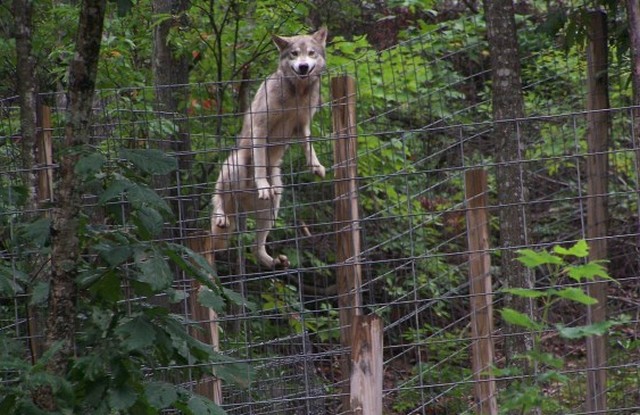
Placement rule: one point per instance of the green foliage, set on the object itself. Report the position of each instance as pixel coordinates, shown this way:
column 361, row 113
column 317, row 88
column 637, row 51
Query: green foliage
column 528, row 393
column 131, row 354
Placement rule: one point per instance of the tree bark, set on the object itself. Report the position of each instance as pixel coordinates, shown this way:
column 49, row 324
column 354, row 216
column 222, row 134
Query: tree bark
column 633, row 13
column 170, row 78
column 508, row 107
column 60, row 329
column 171, row 72
column 25, row 71
column 26, row 81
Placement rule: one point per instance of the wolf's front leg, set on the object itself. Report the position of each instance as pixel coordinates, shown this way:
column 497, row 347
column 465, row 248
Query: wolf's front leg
column 310, row 154
column 260, row 168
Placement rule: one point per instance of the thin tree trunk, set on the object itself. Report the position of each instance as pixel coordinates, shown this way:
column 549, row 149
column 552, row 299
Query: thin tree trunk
column 508, row 105
column 633, row 12
column 171, row 72
column 170, row 78
column 61, row 325
column 25, row 70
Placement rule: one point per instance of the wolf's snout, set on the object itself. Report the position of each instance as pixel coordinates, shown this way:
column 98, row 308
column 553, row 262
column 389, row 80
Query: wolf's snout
column 303, row 68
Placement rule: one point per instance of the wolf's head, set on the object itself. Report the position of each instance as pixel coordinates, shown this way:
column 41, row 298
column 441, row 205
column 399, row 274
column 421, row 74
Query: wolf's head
column 302, row 55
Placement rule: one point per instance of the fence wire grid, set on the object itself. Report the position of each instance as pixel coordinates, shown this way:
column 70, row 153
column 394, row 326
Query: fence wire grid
column 414, row 148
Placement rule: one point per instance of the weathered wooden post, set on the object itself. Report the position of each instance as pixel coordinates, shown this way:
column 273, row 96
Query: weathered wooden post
column 209, row 387
column 597, row 210
column 482, row 351
column 347, row 227
column 366, row 365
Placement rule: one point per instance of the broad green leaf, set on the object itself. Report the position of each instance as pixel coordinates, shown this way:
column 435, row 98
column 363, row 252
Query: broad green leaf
column 114, row 191
column 596, row 329
column 196, row 265
column 108, row 287
column 90, row 164
column 201, row 406
column 136, row 333
column 589, row 271
column 232, row 371
column 525, row 292
column 577, row 295
column 142, row 196
column 114, row 255
column 122, row 398
column 9, row 287
column 238, row 299
column 150, row 161
column 40, row 293
column 210, row 299
column 149, row 220
column 160, row 395
column 580, row 249
column 153, row 270
column 532, row 259
column 519, row 319
column 36, row 232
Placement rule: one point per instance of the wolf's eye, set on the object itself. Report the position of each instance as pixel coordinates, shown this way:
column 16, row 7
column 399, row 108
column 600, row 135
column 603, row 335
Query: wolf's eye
column 294, row 53
column 312, row 52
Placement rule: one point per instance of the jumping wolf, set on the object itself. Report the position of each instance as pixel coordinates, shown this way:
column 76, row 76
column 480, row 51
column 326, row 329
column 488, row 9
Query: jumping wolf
column 281, row 112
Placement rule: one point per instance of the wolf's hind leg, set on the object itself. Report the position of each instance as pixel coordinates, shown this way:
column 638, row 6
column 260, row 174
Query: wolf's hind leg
column 265, row 219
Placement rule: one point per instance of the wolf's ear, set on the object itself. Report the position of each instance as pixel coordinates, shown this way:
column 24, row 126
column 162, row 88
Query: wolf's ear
column 321, row 35
column 281, row 42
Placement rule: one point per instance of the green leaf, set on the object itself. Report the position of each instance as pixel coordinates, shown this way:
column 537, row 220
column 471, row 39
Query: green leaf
column 596, row 329
column 108, row 287
column 114, row 255
column 40, row 293
column 238, row 299
column 149, row 220
column 545, row 358
column 201, row 406
column 519, row 319
column 9, row 285
column 580, row 249
column 114, row 191
column 208, row 298
column 89, row 165
column 122, row 398
column 136, row 333
column 577, row 295
column 160, row 395
column 153, row 270
column 525, row 292
column 532, row 259
column 36, row 232
column 142, row 196
column 589, row 271
column 150, row 161
column 196, row 265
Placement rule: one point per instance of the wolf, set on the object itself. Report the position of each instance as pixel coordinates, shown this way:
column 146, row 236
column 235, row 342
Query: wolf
column 281, row 112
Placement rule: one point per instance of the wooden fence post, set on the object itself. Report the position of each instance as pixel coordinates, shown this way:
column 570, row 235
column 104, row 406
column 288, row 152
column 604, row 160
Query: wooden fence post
column 209, row 387
column 597, row 215
column 482, row 351
column 348, row 273
column 366, row 365
column 44, row 149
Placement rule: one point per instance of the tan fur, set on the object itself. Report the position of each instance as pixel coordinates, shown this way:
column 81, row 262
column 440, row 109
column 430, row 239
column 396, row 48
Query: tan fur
column 282, row 110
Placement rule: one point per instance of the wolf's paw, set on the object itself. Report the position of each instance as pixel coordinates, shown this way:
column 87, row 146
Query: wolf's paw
column 318, row 170
column 221, row 221
column 281, row 262
column 265, row 193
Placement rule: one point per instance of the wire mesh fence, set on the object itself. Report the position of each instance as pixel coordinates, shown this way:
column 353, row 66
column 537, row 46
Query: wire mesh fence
column 420, row 129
